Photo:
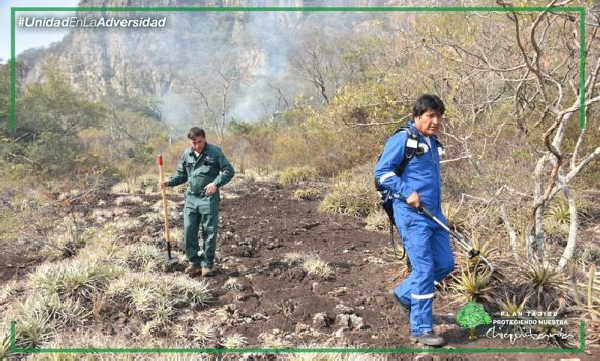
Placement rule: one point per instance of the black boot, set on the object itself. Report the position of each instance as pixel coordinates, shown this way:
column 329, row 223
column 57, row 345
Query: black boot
column 429, row 339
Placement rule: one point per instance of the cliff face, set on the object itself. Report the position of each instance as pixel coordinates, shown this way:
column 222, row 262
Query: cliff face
column 207, row 52
column 133, row 61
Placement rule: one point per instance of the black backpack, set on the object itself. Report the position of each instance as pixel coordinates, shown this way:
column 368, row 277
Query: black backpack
column 386, row 198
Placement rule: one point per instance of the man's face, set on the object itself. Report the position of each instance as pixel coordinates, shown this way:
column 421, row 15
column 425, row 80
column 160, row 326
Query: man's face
column 429, row 123
column 198, row 143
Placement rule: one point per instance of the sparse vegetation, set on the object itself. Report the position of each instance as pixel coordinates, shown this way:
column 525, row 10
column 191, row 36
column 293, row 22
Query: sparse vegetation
column 234, row 341
column 81, row 257
column 352, row 195
column 297, row 175
column 74, row 278
column 233, row 284
column 307, row 194
column 471, row 286
column 313, row 265
column 378, row 221
column 203, row 333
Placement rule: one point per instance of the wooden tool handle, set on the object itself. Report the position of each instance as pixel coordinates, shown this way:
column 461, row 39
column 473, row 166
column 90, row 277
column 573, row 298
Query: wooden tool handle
column 159, row 161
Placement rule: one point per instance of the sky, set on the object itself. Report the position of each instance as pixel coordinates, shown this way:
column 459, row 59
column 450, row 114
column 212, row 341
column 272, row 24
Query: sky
column 26, row 39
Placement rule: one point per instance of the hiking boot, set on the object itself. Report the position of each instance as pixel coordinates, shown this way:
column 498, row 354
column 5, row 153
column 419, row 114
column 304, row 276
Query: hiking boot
column 429, row 339
column 208, row 271
column 404, row 306
column 193, row 270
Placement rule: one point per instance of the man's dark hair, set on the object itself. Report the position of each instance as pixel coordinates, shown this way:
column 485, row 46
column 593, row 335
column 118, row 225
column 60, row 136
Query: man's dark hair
column 196, row 132
column 428, row 102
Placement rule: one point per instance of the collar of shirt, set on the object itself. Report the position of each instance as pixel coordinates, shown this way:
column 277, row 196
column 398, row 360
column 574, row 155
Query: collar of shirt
column 428, row 140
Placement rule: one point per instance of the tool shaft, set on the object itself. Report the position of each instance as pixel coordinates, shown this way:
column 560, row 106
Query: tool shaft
column 164, row 201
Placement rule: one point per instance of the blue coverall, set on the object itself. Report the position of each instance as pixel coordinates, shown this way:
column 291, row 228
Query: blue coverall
column 426, row 243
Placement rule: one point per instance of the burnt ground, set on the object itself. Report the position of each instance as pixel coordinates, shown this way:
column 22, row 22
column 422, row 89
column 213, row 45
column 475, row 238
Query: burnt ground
column 263, row 224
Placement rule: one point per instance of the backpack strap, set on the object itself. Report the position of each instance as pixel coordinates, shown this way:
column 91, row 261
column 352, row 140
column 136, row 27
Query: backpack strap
column 412, row 143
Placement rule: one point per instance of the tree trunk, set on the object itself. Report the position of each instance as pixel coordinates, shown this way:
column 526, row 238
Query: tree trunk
column 573, row 225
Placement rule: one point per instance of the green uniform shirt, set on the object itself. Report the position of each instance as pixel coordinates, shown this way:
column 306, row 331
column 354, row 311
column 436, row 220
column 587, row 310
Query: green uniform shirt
column 210, row 167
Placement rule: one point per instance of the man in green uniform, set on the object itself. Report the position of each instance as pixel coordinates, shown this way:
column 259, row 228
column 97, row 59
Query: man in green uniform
column 206, row 169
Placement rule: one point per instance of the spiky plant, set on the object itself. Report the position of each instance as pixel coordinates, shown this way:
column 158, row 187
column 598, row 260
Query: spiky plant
column 128, row 224
column 476, row 264
column 203, row 333
column 5, row 347
column 66, row 241
column 226, row 313
column 196, row 293
column 471, row 286
column 544, row 281
column 142, row 257
column 313, row 265
column 154, row 328
column 452, row 212
column 233, row 284
column 234, row 341
column 9, row 291
column 143, row 300
column 315, row 356
column 273, row 341
column 511, row 305
column 35, row 327
column 74, row 278
column 293, row 258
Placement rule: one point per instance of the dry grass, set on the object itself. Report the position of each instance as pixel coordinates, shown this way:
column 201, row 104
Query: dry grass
column 128, row 201
column 122, row 187
column 67, row 239
column 293, row 258
column 313, row 265
column 352, row 195
column 307, row 194
column 297, row 175
column 378, row 221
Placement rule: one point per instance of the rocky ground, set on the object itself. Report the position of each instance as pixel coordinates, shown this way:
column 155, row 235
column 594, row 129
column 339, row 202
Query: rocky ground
column 265, row 288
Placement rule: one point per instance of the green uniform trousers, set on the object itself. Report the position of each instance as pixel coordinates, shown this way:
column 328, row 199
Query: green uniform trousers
column 201, row 212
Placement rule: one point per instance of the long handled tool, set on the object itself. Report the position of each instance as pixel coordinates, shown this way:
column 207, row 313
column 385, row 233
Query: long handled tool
column 464, row 244
column 159, row 160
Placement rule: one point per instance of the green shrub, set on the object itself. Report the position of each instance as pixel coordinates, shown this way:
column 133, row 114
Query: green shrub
column 296, row 175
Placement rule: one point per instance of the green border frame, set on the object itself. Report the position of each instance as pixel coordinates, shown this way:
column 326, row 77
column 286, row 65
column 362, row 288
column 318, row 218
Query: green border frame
column 582, row 124
column 12, row 123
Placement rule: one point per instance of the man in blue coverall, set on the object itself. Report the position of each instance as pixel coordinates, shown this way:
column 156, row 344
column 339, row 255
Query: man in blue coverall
column 426, row 243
